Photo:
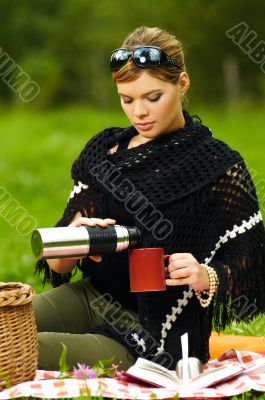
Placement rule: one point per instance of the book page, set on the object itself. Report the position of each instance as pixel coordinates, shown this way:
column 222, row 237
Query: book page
column 157, row 375
column 212, row 376
column 151, row 366
column 154, row 378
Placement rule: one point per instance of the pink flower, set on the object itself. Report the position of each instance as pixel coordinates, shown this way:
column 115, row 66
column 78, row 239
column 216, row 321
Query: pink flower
column 120, row 376
column 84, row 372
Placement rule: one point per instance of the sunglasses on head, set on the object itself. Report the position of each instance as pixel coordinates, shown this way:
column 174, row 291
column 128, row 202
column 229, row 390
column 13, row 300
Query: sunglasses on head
column 143, row 57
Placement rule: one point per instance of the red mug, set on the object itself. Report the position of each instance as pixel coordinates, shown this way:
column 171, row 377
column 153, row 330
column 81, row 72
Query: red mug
column 147, row 269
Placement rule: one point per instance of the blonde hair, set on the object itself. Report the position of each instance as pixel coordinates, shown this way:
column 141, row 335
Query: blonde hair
column 145, row 36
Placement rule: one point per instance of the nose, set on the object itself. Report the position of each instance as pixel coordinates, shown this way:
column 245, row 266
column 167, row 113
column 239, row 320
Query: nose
column 140, row 109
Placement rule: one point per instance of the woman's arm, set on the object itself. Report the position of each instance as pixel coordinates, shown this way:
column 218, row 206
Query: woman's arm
column 237, row 255
column 65, row 265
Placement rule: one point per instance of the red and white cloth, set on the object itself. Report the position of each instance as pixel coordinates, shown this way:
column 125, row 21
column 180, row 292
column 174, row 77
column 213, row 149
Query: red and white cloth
column 48, row 385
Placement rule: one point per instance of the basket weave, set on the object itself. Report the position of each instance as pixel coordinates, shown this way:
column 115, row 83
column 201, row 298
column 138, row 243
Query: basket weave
column 18, row 334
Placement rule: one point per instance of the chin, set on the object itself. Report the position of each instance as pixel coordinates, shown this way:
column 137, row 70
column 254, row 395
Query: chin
column 149, row 135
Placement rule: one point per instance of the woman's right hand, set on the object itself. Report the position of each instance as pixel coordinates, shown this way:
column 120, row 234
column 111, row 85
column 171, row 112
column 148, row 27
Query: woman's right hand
column 65, row 265
column 80, row 221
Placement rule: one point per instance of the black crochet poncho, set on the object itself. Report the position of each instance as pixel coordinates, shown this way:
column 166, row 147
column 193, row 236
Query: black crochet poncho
column 187, row 192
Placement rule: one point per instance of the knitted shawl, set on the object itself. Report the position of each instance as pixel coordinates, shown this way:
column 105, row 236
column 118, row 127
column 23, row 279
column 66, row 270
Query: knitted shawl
column 188, row 192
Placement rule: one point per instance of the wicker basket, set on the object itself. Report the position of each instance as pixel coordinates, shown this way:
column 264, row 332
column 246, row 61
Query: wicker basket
column 18, row 334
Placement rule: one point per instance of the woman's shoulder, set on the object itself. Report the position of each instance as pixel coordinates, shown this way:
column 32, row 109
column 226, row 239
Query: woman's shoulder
column 216, row 153
column 224, row 148
column 102, row 140
column 95, row 148
column 107, row 135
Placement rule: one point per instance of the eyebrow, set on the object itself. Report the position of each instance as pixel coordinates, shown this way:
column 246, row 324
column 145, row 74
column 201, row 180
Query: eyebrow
column 145, row 94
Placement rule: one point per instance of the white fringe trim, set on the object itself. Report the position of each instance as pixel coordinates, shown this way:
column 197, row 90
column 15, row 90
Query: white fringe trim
column 172, row 318
column 140, row 342
column 234, row 232
column 77, row 189
column 166, row 326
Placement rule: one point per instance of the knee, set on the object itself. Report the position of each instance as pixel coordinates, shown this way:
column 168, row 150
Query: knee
column 50, row 350
column 37, row 306
column 46, row 314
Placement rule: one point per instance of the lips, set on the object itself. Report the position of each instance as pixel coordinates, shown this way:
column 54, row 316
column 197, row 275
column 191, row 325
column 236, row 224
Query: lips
column 145, row 126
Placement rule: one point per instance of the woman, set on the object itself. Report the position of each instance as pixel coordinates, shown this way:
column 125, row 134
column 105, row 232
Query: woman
column 186, row 192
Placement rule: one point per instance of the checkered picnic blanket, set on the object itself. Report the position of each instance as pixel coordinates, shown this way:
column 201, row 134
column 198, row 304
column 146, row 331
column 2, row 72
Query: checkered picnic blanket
column 48, row 385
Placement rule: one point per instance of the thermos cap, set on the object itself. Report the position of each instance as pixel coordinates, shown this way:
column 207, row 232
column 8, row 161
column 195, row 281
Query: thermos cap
column 59, row 242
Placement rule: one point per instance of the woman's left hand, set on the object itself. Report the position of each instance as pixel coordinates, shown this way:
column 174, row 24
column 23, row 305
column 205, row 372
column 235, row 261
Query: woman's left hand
column 184, row 269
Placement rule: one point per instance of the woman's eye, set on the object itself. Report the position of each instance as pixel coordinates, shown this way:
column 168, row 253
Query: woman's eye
column 127, row 101
column 156, row 98
column 153, row 99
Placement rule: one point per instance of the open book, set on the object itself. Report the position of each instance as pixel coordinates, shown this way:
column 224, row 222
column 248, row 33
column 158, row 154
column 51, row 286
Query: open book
column 156, row 375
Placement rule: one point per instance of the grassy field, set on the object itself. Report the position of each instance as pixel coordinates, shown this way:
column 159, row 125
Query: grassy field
column 37, row 153
column 37, row 150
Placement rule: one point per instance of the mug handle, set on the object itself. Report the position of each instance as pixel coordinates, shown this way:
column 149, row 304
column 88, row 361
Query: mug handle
column 166, row 257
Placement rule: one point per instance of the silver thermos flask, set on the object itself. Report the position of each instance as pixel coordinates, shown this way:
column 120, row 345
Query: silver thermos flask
column 63, row 242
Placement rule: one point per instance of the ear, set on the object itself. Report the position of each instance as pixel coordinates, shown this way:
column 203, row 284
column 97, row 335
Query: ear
column 184, row 82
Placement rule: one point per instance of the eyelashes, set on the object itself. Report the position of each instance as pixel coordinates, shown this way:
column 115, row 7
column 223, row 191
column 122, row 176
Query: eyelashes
column 153, row 100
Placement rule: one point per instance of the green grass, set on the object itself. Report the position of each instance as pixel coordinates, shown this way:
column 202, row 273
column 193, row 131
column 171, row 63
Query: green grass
column 37, row 150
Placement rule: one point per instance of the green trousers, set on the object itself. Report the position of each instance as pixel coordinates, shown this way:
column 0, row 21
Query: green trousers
column 64, row 315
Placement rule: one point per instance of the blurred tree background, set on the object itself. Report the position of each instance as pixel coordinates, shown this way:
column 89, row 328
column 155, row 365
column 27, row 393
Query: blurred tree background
column 64, row 46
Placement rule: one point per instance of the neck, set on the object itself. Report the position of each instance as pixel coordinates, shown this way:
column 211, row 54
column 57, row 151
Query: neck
column 178, row 123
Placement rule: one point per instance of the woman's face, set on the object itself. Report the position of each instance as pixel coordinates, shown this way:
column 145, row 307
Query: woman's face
column 152, row 105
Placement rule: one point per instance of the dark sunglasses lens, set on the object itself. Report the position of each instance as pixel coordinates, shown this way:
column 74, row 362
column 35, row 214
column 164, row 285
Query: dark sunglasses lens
column 118, row 58
column 146, row 56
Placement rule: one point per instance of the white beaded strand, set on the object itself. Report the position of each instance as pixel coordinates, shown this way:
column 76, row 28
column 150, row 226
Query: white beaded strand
column 213, row 279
